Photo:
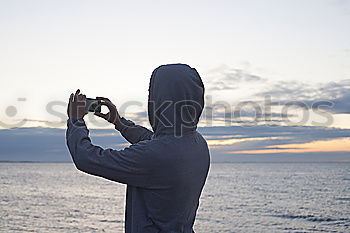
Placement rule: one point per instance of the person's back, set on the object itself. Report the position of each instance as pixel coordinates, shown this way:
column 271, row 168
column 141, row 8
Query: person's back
column 165, row 169
column 170, row 204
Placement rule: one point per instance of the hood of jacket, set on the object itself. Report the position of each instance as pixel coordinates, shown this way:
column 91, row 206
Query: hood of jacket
column 175, row 99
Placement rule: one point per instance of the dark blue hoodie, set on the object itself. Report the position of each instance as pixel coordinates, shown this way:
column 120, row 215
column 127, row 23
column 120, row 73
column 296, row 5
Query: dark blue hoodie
column 164, row 170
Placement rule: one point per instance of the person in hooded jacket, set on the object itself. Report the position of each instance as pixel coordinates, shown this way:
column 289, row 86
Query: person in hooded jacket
column 165, row 170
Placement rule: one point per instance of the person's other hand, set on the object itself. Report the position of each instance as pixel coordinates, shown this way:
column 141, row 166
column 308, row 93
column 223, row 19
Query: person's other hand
column 112, row 116
column 76, row 106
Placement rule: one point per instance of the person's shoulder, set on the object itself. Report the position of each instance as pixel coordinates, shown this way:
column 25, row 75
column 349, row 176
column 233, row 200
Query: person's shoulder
column 149, row 147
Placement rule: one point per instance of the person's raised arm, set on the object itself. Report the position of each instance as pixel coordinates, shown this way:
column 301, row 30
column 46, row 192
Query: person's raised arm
column 128, row 166
column 132, row 132
column 129, row 130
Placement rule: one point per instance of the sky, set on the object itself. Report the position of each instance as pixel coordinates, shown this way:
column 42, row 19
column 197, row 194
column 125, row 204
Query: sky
column 269, row 52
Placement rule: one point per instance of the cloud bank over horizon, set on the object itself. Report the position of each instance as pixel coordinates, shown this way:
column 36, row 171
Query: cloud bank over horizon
column 227, row 144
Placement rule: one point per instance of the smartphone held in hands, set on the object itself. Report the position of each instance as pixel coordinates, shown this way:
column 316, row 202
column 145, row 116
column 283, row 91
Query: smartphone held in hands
column 93, row 105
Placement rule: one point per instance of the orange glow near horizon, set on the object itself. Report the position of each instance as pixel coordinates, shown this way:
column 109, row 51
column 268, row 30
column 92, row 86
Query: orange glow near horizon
column 226, row 142
column 334, row 145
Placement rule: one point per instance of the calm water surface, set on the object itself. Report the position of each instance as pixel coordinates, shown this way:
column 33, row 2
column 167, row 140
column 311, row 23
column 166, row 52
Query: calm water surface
column 238, row 197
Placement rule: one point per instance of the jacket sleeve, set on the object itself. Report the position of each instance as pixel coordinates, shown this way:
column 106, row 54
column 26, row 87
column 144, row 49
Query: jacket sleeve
column 134, row 133
column 128, row 166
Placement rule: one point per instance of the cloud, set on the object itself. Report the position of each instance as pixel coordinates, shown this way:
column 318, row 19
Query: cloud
column 44, row 121
column 333, row 145
column 333, row 97
column 226, row 78
column 337, row 94
column 48, row 144
column 242, row 116
column 341, row 105
column 261, row 140
column 301, row 90
column 141, row 116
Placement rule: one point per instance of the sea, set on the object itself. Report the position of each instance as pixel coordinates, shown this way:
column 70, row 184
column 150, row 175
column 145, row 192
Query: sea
column 238, row 197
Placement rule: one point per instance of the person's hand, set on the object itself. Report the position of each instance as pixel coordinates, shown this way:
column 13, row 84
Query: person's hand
column 112, row 116
column 76, row 105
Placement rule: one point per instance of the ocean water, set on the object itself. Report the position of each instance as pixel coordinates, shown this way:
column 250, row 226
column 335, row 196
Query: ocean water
column 238, row 197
